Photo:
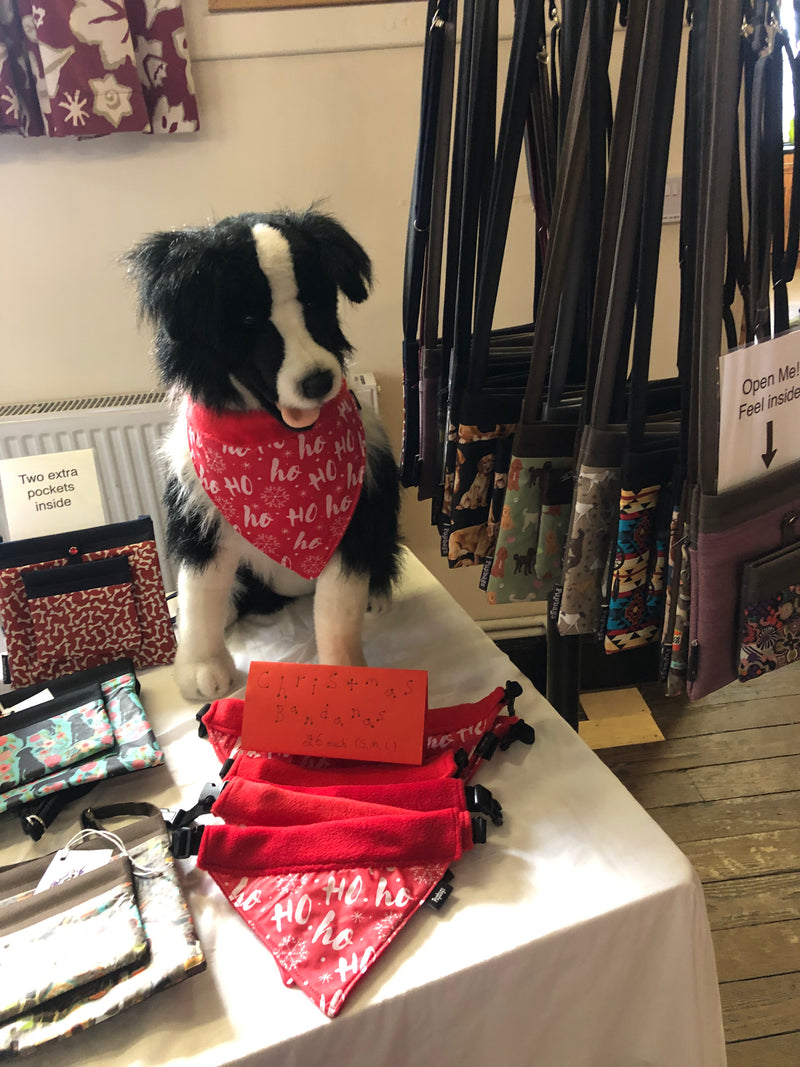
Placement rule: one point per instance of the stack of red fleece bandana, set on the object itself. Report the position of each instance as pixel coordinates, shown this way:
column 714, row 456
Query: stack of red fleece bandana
column 327, row 862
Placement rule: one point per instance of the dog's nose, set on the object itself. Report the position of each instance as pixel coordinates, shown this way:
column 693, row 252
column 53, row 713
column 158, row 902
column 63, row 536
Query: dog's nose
column 317, row 384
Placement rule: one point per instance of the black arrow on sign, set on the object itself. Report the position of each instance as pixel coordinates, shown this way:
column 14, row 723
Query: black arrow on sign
column 769, row 455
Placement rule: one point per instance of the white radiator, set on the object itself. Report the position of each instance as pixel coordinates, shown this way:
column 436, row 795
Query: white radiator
column 125, row 433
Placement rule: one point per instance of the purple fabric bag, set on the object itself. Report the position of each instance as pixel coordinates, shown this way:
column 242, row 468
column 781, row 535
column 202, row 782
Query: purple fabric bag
column 733, row 528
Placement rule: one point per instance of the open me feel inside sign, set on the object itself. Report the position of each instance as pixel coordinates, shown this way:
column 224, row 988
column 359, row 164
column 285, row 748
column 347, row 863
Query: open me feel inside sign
column 759, row 409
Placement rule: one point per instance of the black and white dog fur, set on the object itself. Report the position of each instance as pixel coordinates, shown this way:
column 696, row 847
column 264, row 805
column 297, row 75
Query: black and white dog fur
column 245, row 316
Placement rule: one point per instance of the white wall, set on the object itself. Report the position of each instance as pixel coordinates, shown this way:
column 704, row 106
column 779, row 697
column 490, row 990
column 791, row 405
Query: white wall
column 295, row 107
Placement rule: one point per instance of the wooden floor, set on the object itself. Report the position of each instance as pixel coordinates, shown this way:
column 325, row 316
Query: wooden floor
column 725, row 786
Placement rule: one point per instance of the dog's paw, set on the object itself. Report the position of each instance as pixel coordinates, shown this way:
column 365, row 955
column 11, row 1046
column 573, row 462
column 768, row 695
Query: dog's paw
column 207, row 679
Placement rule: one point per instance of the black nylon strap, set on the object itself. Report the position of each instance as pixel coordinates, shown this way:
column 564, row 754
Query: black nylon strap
column 716, row 152
column 656, row 26
column 571, row 167
column 93, row 818
column 479, row 132
column 663, row 104
column 522, row 77
column 417, row 235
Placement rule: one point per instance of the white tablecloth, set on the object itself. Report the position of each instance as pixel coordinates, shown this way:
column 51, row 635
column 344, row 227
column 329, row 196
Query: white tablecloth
column 575, row 937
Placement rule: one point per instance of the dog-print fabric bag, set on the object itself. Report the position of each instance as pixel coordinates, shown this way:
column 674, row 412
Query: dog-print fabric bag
column 76, row 600
column 488, row 368
column 477, row 479
column 621, row 419
column 526, row 536
column 93, row 727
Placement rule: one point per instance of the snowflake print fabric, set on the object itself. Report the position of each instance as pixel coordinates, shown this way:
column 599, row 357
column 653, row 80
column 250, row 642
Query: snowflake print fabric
column 290, row 493
column 327, row 899
column 84, row 68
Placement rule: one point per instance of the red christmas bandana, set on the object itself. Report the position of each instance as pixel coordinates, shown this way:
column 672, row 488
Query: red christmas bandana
column 328, row 898
column 461, row 726
column 290, row 493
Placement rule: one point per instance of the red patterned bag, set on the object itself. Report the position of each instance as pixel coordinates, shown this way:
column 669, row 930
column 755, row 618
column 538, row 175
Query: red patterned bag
column 71, row 601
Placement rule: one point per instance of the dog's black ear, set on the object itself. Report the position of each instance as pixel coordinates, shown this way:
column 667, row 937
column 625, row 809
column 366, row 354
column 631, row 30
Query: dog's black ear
column 184, row 281
column 344, row 258
column 162, row 265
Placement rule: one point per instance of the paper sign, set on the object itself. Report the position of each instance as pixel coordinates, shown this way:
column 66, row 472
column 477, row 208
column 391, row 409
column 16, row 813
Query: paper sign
column 342, row 712
column 759, row 409
column 51, row 494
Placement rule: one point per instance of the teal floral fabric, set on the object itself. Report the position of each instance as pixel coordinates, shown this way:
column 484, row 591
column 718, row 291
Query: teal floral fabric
column 135, row 747
column 46, row 745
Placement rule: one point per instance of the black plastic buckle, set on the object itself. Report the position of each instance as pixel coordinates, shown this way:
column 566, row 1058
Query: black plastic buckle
column 520, row 731
column 226, row 766
column 480, row 799
column 34, row 826
column 513, row 690
column 487, row 746
column 461, row 759
column 202, row 729
column 478, row 830
column 185, row 841
column 205, row 802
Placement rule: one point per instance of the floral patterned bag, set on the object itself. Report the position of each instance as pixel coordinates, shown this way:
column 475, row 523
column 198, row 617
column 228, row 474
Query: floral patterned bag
column 770, row 613
column 66, row 755
column 64, row 936
column 48, row 737
column 174, row 953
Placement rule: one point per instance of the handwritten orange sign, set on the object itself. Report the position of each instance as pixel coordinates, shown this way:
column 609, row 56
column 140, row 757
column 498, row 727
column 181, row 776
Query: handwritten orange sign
column 365, row 713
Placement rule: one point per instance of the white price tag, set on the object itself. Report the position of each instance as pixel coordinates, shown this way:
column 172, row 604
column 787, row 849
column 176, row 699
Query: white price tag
column 67, row 864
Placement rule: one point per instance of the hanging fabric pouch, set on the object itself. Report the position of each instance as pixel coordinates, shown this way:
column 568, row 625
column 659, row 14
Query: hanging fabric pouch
column 732, row 531
column 70, row 935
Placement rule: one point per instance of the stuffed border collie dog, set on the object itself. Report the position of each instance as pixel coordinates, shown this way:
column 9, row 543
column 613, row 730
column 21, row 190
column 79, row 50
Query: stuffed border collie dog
column 279, row 485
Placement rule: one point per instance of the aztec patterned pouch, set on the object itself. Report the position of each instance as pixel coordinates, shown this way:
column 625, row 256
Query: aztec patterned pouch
column 637, row 589
column 770, row 613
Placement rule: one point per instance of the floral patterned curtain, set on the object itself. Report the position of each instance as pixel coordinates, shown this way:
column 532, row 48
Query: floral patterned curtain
column 83, row 68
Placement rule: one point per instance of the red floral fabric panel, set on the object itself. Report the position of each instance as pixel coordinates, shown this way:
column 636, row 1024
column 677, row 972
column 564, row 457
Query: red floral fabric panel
column 84, row 68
